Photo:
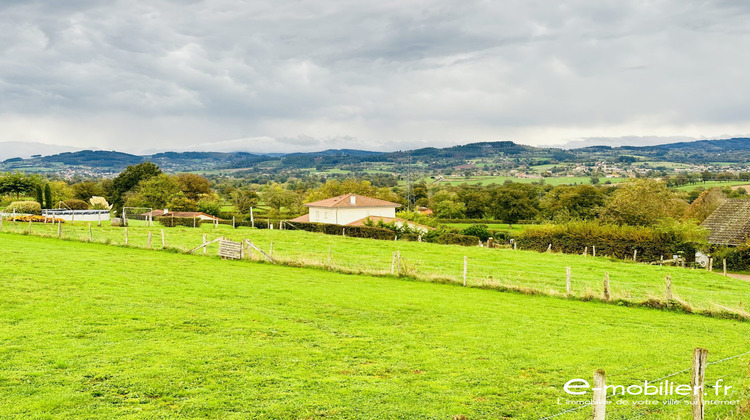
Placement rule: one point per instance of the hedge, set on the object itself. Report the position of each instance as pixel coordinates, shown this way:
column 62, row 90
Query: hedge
column 351, row 231
column 29, row 207
column 179, row 221
column 614, row 240
column 738, row 258
column 74, row 204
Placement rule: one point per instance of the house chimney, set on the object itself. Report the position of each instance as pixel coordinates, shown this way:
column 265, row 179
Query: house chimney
column 353, row 199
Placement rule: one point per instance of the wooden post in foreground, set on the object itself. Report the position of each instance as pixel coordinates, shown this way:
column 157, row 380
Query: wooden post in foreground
column 668, row 293
column 59, row 229
column 149, row 239
column 204, row 248
column 600, row 395
column 252, row 219
column 549, row 248
column 234, row 226
column 697, row 377
column 465, row 267
column 270, row 250
column 398, row 263
column 593, row 250
column 99, row 214
column 725, row 267
column 635, row 255
column 586, row 251
column 567, row 280
column 606, row 286
column 163, row 239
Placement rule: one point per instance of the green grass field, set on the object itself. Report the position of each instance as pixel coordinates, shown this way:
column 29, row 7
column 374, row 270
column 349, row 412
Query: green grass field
column 96, row 331
column 711, row 184
column 487, row 180
column 498, row 268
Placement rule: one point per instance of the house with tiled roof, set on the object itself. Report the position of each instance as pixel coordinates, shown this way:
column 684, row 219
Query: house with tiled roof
column 346, row 209
column 729, row 224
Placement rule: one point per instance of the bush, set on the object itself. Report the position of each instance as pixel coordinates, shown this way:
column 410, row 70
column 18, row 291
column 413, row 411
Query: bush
column 617, row 241
column 351, row 231
column 74, row 204
column 476, row 221
column 178, row 221
column 738, row 259
column 29, row 207
column 456, row 239
column 480, row 231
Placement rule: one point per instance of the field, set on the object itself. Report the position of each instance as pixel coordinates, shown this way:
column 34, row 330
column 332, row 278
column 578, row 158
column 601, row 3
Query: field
column 89, row 330
column 487, row 180
column 491, row 268
column 711, row 184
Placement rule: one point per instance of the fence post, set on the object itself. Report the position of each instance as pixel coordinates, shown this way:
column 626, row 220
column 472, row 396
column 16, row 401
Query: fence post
column 252, row 219
column 549, row 248
column 514, row 245
column 635, row 255
column 600, row 395
column 567, row 280
column 59, row 229
column 126, row 236
column 465, row 267
column 14, row 215
column 149, row 239
column 593, row 250
column 204, row 242
column 91, row 235
column 669, row 289
column 270, row 250
column 725, row 267
column 163, row 239
column 606, row 286
column 697, row 377
column 586, row 251
column 398, row 263
column 393, row 262
column 99, row 214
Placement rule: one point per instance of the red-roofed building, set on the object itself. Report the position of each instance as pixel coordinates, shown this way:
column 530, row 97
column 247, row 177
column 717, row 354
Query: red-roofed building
column 347, row 208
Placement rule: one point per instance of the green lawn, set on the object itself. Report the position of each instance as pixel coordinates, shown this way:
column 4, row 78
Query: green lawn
column 95, row 331
column 499, row 268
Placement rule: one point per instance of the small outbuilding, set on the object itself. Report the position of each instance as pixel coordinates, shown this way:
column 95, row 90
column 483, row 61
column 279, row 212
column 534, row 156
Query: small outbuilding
column 729, row 224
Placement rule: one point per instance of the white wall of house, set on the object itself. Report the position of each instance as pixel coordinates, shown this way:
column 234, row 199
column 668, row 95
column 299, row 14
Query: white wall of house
column 345, row 215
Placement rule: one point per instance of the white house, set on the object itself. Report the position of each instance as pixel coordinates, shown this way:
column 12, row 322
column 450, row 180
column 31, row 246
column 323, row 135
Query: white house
column 347, row 209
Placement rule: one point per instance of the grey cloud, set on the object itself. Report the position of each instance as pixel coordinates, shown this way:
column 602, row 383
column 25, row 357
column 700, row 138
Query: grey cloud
column 391, row 74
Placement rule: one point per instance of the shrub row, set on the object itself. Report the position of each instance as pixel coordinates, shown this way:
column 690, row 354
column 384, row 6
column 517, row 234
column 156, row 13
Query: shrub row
column 178, row 221
column 617, row 241
column 738, row 258
column 352, row 231
column 476, row 221
column 38, row 219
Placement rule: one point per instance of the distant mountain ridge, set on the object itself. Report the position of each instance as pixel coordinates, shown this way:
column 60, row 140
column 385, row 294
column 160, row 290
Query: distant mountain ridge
column 728, row 150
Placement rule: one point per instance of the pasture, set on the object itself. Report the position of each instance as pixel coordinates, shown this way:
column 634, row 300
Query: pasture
column 88, row 330
column 491, row 268
column 555, row 181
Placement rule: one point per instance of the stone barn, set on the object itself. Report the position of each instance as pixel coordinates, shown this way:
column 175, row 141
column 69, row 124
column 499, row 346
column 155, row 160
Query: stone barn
column 729, row 224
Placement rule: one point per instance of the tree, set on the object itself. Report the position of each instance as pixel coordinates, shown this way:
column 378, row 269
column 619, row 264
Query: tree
column 154, row 192
column 705, row 204
column 514, row 202
column 244, row 199
column 194, row 186
column 40, row 195
column 87, row 189
column 576, row 202
column 17, row 183
column 128, row 179
column 643, row 202
column 47, row 196
column 180, row 202
column 277, row 197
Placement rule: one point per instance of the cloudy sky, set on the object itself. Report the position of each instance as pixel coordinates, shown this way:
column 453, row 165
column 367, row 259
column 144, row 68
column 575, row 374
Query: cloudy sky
column 281, row 76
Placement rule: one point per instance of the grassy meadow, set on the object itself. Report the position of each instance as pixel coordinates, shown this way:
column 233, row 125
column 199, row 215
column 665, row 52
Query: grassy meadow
column 95, row 331
column 498, row 268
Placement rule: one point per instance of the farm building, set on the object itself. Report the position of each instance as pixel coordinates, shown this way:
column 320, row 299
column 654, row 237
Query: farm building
column 353, row 210
column 729, row 224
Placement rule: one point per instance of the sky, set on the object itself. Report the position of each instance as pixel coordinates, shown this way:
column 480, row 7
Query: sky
column 287, row 76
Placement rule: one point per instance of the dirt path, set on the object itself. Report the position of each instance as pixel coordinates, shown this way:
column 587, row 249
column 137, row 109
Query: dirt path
column 745, row 277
